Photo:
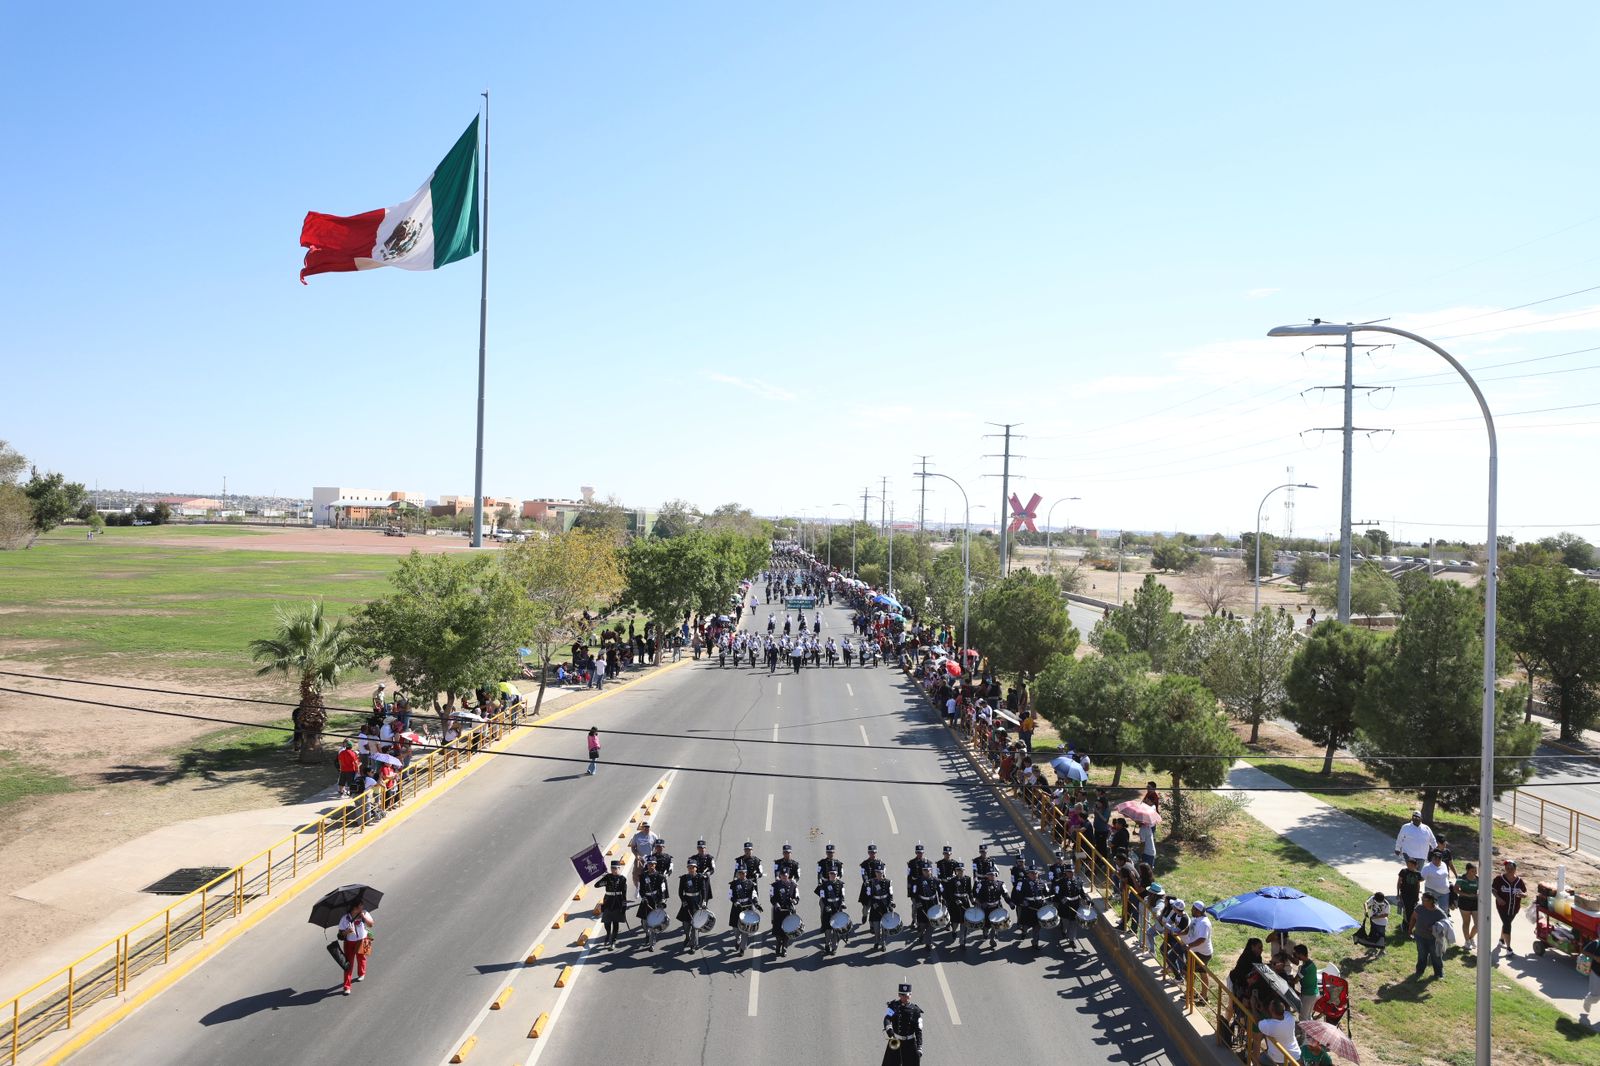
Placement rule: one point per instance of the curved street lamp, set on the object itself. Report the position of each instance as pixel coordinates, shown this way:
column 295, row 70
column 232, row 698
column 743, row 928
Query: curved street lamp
column 1259, row 509
column 1319, row 328
column 1047, row 515
column 966, row 559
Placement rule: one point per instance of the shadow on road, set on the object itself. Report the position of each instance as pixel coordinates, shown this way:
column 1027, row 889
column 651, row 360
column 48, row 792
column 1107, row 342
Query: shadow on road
column 274, row 1000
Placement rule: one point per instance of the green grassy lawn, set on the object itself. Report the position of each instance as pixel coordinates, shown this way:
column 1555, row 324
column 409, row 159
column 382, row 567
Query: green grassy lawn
column 118, row 598
column 258, row 754
column 71, row 533
column 1397, row 1019
column 19, row 780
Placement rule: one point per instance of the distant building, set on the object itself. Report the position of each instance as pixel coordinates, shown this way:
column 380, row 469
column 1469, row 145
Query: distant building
column 189, row 506
column 333, row 505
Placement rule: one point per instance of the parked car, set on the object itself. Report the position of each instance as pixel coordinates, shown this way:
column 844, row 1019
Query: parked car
column 393, row 531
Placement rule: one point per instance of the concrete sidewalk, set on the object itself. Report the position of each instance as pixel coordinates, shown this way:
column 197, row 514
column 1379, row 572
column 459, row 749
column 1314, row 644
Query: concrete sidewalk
column 107, row 890
column 1366, row 857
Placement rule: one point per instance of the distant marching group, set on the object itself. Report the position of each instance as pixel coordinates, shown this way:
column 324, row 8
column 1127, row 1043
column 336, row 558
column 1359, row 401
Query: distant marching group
column 794, row 646
column 943, row 898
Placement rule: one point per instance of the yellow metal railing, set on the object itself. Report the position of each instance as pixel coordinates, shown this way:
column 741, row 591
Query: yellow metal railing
column 55, row 1002
column 1232, row 1021
column 1555, row 821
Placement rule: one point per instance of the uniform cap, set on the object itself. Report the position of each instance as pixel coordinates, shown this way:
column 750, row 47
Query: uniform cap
column 872, row 847
column 694, row 864
column 699, row 843
column 919, row 849
column 983, row 847
column 661, row 842
column 905, row 990
column 616, row 863
column 787, row 848
column 948, row 849
column 747, row 844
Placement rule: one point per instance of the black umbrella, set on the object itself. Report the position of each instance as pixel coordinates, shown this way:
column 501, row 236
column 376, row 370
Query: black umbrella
column 326, row 912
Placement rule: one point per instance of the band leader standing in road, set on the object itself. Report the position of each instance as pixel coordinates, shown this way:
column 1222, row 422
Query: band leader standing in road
column 902, row 1028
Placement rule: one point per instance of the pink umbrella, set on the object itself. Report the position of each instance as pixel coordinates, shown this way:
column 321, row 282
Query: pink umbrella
column 952, row 669
column 1138, row 811
column 1331, row 1037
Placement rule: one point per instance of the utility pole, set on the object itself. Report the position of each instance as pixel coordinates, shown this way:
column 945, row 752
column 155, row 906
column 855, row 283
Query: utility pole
column 883, row 504
column 1005, row 484
column 922, row 506
column 1288, row 508
column 1349, row 430
column 891, row 551
column 866, row 494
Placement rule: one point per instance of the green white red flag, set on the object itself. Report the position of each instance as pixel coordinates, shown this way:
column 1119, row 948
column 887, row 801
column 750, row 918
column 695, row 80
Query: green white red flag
column 436, row 226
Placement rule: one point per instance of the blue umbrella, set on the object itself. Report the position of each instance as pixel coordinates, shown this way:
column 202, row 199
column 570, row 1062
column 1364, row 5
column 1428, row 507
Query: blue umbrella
column 1282, row 909
column 1069, row 768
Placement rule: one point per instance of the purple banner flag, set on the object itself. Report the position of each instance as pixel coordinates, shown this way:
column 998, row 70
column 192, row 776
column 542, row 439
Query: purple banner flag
column 589, row 863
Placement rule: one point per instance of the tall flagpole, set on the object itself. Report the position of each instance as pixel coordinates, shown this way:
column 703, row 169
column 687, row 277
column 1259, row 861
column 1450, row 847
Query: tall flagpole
column 483, row 336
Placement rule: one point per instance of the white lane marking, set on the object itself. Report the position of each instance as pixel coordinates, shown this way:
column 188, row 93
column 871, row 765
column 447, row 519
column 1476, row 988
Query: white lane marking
column 780, row 688
column 769, row 812
column 755, row 983
column 850, row 690
column 894, row 827
column 774, row 730
column 864, row 739
column 949, row 1000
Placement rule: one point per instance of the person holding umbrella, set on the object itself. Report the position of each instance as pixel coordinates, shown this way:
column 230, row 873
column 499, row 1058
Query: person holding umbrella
column 355, row 934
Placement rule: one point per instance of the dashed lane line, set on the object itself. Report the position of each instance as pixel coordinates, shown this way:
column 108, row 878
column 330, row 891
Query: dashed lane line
column 864, row 739
column 894, row 827
column 949, row 1000
column 769, row 812
column 850, row 690
column 755, row 984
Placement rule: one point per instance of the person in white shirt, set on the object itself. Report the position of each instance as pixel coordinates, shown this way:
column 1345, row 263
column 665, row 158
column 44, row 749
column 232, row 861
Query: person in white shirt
column 1436, row 881
column 1198, row 937
column 354, row 927
column 1279, row 1027
column 1415, row 840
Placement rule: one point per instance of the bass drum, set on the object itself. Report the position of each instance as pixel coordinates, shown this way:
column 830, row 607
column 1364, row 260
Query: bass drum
column 703, row 921
column 1049, row 917
column 792, row 925
column 1000, row 918
column 974, row 917
column 938, row 916
column 750, row 921
column 890, row 922
column 840, row 922
column 656, row 919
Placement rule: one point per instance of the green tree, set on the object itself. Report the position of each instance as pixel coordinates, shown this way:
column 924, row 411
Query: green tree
column 1379, row 541
column 1406, row 587
column 317, row 654
column 1185, row 734
column 1095, row 702
column 607, row 516
column 1173, row 556
column 1563, row 640
column 1309, row 570
column 1269, row 554
column 1418, row 715
column 54, row 499
column 1148, row 624
column 161, row 514
column 1325, row 682
column 1575, row 552
column 1020, row 622
column 1372, row 591
column 1244, row 664
column 669, row 579
column 563, row 576
column 676, row 518
column 16, row 510
column 452, row 623
column 946, row 573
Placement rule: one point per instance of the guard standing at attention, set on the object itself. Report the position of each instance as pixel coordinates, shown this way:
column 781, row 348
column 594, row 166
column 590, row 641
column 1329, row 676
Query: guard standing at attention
column 614, row 905
column 902, row 1028
column 787, row 865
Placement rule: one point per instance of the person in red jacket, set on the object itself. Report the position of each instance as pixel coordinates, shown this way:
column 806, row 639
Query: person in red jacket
column 349, row 768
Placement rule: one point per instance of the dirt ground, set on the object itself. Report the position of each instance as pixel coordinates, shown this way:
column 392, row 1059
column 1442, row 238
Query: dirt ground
column 320, row 541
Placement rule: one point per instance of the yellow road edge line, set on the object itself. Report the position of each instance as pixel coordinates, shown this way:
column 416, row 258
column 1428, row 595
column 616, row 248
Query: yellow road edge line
column 94, row 1030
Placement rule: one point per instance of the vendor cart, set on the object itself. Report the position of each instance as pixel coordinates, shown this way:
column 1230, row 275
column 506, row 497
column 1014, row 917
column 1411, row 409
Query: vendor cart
column 1562, row 925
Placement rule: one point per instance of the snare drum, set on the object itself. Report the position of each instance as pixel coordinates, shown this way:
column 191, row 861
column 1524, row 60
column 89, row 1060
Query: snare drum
column 1000, row 918
column 1087, row 914
column 703, row 920
column 656, row 919
column 840, row 922
column 974, row 917
column 938, row 916
column 890, row 922
column 792, row 925
column 750, row 921
column 1049, row 917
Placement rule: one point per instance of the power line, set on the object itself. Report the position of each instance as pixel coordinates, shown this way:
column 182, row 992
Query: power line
column 1487, row 366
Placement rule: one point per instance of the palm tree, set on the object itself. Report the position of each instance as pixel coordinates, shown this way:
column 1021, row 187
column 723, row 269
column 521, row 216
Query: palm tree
column 316, row 652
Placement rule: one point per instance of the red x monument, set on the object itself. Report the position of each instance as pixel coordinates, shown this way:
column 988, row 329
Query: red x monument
column 1023, row 516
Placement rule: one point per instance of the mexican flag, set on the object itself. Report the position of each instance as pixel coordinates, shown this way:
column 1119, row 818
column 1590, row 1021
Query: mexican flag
column 436, row 226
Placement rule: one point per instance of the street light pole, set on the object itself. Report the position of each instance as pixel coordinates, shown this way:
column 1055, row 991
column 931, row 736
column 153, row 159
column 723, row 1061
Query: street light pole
column 1263, row 504
column 966, row 559
column 1047, row 515
column 1319, row 328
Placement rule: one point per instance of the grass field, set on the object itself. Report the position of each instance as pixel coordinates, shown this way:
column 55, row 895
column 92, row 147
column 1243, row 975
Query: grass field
column 1398, row 1019
column 118, row 597
column 19, row 780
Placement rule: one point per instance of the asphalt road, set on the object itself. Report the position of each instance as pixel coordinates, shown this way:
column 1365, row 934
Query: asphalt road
column 1554, row 816
column 847, row 756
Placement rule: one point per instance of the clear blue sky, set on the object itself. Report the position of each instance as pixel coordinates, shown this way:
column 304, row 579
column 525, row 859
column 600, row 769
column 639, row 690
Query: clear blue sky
column 769, row 253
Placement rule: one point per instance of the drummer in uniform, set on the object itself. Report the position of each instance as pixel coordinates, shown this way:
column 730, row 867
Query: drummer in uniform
column 662, row 857
column 946, row 866
column 871, row 867
column 982, row 865
column 694, row 892
column 652, row 890
column 828, row 862
column 742, row 891
column 1028, row 897
column 1069, row 896
column 708, row 863
column 902, row 1028
column 830, row 901
column 784, row 898
column 787, row 865
column 614, row 904
column 879, row 896
column 957, row 898
column 749, row 862
column 915, row 865
column 924, row 893
column 991, row 896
